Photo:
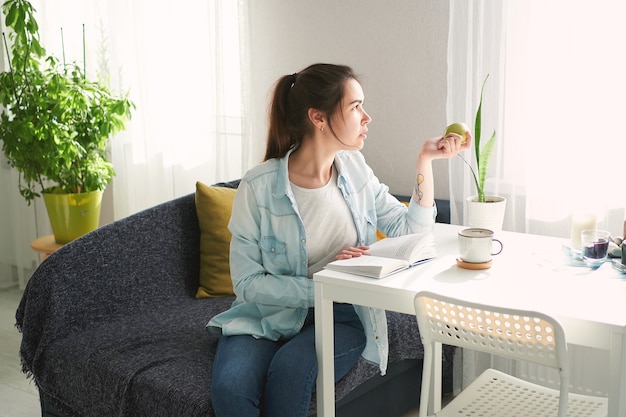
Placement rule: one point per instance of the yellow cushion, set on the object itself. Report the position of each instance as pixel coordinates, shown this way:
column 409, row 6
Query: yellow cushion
column 213, row 206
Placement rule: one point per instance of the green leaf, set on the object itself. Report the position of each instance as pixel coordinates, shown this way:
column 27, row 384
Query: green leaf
column 485, row 158
column 484, row 154
column 18, row 24
column 11, row 16
column 472, row 171
column 478, row 126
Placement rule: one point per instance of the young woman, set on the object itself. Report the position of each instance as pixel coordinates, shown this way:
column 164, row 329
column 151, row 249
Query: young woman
column 313, row 200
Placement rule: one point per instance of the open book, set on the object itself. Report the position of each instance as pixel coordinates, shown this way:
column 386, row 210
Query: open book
column 389, row 255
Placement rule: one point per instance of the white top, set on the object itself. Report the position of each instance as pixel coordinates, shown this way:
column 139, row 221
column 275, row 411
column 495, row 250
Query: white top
column 327, row 221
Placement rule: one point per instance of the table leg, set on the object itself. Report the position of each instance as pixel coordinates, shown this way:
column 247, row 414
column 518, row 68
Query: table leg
column 324, row 347
column 617, row 374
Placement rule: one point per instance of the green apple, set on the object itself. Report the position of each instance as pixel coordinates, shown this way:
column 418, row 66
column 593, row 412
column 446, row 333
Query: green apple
column 458, row 128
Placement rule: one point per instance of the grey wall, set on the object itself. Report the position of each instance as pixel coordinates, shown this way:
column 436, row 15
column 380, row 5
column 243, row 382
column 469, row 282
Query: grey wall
column 399, row 47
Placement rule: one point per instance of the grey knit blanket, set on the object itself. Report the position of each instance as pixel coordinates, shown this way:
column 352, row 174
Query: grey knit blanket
column 111, row 327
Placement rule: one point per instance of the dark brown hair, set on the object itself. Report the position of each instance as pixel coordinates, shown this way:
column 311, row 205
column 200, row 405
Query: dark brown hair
column 319, row 86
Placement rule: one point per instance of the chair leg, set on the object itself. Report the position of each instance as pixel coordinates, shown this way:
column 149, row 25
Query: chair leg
column 426, row 379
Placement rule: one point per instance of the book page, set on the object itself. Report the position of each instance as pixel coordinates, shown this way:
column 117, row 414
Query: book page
column 403, row 247
column 389, row 255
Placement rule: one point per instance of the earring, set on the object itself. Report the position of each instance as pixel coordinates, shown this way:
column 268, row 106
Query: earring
column 322, row 128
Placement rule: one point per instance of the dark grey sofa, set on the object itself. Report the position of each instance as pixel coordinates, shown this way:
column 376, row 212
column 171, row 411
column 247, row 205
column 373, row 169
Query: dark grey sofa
column 111, row 327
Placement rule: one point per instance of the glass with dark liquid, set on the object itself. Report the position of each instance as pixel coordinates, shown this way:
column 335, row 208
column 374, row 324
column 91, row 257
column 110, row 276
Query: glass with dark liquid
column 595, row 246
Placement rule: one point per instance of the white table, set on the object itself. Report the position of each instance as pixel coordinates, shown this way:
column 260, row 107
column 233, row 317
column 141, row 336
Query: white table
column 530, row 273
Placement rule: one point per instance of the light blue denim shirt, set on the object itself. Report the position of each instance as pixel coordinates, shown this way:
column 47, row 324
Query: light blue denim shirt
column 268, row 256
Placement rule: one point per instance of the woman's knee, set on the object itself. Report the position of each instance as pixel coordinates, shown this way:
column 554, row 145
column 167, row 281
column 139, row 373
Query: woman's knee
column 240, row 367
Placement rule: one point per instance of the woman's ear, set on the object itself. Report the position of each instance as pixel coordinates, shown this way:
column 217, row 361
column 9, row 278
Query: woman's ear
column 317, row 118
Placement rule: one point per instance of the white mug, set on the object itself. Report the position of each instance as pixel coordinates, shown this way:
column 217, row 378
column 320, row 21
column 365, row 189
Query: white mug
column 476, row 245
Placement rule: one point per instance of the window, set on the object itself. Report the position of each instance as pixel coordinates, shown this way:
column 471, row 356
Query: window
column 555, row 98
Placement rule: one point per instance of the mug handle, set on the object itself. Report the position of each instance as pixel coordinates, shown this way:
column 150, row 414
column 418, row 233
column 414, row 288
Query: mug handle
column 501, row 246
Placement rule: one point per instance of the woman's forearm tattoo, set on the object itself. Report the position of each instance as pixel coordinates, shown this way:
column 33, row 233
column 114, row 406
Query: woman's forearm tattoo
column 418, row 182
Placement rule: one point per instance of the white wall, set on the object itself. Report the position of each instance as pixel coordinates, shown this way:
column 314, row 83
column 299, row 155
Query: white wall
column 398, row 47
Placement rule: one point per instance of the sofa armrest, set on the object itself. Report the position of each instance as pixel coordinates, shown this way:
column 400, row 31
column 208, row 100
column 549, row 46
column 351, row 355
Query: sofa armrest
column 148, row 260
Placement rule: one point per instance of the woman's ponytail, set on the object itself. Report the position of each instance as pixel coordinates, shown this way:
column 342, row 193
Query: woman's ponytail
column 319, row 86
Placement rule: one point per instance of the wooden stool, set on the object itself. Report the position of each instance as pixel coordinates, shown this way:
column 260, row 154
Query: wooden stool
column 46, row 245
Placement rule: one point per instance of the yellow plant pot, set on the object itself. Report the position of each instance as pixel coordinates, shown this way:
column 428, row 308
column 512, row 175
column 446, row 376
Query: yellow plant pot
column 73, row 215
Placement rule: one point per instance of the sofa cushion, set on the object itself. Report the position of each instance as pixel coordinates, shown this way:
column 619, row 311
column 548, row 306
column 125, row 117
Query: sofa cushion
column 158, row 362
column 213, row 207
column 155, row 363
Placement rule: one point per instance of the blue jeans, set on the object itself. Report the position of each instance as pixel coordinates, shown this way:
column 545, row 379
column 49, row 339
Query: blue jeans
column 260, row 377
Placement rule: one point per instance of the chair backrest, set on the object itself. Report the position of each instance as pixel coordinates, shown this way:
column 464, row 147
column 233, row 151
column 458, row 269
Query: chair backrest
column 517, row 334
column 513, row 333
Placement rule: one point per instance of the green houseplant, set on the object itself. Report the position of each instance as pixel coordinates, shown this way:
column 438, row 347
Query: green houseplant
column 55, row 123
column 484, row 211
column 484, row 154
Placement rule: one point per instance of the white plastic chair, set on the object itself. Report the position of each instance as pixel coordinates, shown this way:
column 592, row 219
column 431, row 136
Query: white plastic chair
column 517, row 334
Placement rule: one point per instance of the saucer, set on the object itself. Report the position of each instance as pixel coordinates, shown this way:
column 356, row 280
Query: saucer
column 469, row 265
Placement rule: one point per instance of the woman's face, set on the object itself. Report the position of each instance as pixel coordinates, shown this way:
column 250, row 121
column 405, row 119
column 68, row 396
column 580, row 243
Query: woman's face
column 350, row 122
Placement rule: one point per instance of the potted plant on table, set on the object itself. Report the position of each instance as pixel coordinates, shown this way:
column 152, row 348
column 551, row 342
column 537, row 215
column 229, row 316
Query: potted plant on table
column 485, row 211
column 55, row 125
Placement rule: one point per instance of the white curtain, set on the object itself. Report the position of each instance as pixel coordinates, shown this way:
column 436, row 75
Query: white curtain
column 183, row 63
column 555, row 97
column 475, row 52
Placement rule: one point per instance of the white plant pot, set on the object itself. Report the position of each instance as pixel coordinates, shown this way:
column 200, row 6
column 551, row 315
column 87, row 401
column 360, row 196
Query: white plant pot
column 487, row 215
